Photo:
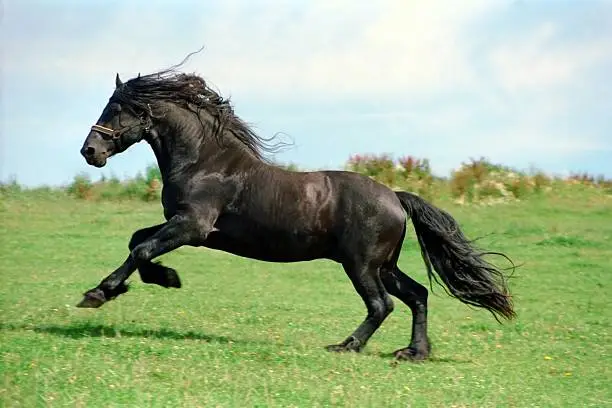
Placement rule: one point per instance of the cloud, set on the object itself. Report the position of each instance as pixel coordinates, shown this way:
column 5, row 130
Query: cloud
column 271, row 48
column 540, row 60
column 441, row 79
column 397, row 47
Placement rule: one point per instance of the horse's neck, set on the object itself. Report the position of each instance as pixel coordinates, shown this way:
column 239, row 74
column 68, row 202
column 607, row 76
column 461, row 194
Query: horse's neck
column 173, row 142
column 179, row 143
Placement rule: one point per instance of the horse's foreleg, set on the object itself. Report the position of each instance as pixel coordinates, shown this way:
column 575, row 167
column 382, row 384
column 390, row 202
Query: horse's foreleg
column 178, row 231
column 111, row 287
column 154, row 272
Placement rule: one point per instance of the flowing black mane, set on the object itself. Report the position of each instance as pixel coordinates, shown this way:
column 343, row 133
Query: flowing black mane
column 190, row 91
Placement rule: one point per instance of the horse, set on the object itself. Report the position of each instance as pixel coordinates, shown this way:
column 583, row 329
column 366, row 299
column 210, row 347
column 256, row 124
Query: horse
column 221, row 192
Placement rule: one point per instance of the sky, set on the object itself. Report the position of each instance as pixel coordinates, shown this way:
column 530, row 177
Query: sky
column 523, row 83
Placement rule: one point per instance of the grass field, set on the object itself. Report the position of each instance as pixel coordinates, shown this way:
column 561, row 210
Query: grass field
column 246, row 333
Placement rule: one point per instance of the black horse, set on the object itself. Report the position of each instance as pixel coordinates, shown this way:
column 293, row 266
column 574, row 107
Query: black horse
column 219, row 192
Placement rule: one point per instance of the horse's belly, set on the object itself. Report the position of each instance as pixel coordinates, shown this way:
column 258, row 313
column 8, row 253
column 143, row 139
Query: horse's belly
column 267, row 244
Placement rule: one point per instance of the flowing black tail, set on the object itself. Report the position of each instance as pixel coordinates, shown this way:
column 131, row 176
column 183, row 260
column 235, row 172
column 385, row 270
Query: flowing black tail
column 459, row 264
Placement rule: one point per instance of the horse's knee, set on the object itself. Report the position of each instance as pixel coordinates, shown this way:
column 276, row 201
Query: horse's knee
column 380, row 308
column 136, row 239
column 141, row 253
column 389, row 303
column 389, row 306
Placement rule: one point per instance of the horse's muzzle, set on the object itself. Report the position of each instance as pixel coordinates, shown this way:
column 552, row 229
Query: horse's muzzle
column 94, row 157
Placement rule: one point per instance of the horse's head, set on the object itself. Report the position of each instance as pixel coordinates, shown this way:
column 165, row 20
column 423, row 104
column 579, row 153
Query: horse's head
column 118, row 128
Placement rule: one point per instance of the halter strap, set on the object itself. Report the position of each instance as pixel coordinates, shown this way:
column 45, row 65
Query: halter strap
column 108, row 131
column 116, row 134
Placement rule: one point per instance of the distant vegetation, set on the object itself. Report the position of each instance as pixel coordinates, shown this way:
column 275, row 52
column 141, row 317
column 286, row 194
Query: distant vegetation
column 475, row 181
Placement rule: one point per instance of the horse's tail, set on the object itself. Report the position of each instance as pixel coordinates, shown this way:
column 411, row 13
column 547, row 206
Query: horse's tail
column 457, row 262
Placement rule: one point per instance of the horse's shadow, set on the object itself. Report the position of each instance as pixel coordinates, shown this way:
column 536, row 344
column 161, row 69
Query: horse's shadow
column 91, row 330
column 85, row 330
column 430, row 360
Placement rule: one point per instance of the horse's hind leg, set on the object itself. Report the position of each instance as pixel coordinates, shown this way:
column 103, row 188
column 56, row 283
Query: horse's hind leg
column 414, row 295
column 367, row 283
column 154, row 272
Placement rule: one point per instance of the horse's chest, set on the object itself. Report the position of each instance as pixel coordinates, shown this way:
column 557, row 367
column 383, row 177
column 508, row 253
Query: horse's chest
column 169, row 199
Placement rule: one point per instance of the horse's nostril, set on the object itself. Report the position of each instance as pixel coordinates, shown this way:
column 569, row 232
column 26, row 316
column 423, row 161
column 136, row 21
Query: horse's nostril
column 90, row 151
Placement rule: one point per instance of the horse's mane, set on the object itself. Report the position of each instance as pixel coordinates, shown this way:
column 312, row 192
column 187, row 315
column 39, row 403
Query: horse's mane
column 192, row 92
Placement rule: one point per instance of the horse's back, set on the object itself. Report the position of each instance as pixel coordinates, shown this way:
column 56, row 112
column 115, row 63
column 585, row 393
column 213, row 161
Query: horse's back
column 343, row 192
column 362, row 190
column 369, row 216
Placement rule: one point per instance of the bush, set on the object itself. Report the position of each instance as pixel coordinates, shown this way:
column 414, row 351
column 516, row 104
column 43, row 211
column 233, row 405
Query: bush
column 152, row 173
column 81, row 187
column 153, row 181
column 481, row 180
column 12, row 187
column 147, row 187
column 381, row 168
column 541, row 181
column 406, row 173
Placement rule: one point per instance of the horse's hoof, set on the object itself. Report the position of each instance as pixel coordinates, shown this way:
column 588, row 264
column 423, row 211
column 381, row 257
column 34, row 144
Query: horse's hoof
column 92, row 299
column 158, row 274
column 349, row 345
column 172, row 279
column 410, row 354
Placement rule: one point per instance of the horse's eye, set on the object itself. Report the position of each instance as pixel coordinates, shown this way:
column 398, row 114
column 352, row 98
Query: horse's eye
column 115, row 107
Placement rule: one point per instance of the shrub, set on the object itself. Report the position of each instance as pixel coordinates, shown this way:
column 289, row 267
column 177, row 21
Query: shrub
column 481, row 180
column 81, row 187
column 153, row 181
column 153, row 191
column 381, row 168
column 541, row 181
column 406, row 173
column 416, row 175
column 11, row 187
column 152, row 173
column 415, row 167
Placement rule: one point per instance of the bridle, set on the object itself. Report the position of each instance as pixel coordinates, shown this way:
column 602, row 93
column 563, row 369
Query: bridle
column 115, row 134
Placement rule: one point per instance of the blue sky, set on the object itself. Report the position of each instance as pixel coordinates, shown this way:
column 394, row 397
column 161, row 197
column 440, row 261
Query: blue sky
column 524, row 83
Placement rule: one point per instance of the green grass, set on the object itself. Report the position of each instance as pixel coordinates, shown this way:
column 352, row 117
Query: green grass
column 246, row 333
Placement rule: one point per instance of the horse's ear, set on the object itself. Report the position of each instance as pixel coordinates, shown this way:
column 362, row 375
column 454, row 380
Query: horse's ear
column 118, row 82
